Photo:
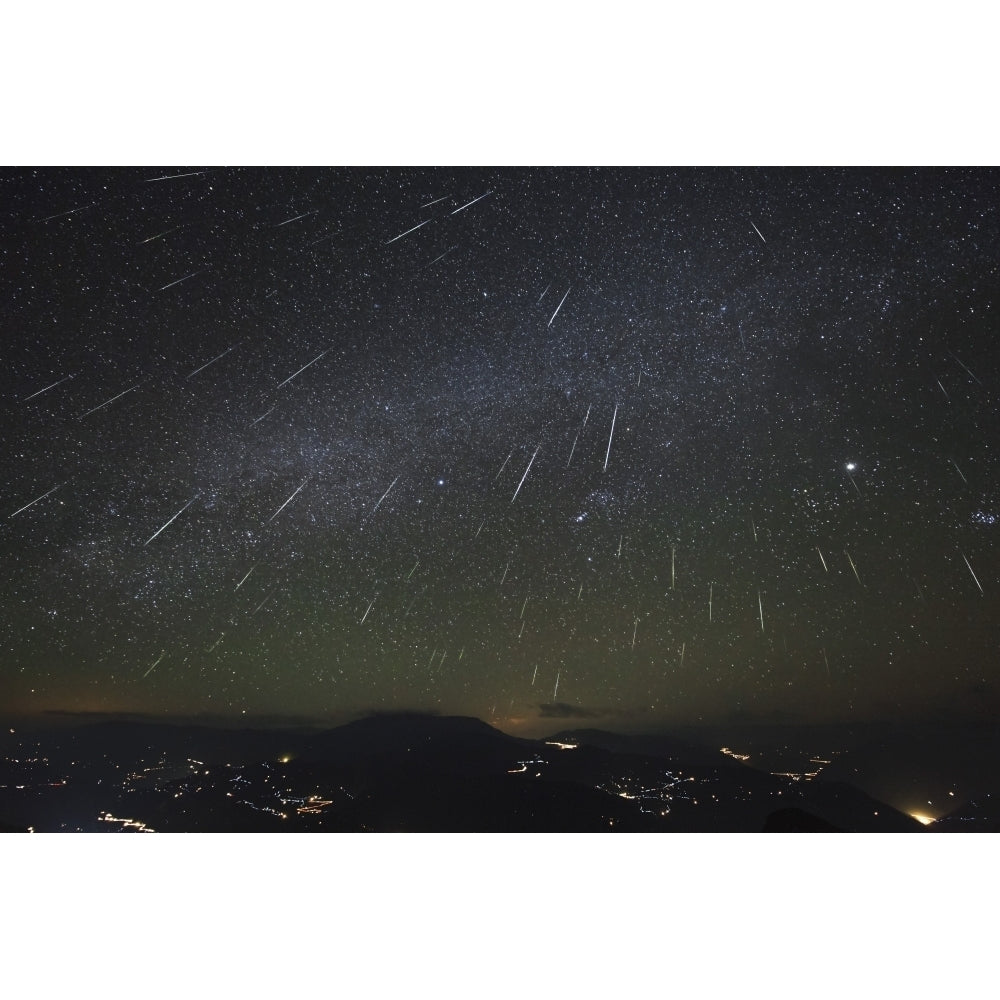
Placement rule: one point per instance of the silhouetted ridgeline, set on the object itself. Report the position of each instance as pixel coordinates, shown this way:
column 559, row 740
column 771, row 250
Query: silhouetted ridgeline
column 408, row 772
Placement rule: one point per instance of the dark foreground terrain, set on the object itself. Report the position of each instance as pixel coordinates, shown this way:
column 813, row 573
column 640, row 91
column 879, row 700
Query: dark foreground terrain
column 425, row 773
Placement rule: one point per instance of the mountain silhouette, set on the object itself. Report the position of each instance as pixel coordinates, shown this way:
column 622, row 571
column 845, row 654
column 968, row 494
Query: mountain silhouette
column 410, row 772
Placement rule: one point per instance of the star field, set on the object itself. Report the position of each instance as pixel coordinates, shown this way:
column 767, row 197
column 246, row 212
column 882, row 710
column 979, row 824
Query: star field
column 634, row 445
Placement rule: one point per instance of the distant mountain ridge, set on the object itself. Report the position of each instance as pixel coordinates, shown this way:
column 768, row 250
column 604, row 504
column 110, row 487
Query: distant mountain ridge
column 410, row 771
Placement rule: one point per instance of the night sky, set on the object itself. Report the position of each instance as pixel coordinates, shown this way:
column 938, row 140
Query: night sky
column 630, row 446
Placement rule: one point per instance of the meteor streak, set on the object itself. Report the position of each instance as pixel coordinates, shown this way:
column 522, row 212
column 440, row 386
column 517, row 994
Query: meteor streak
column 853, row 567
column 166, row 232
column 108, row 402
column 441, row 256
column 504, row 466
column 261, row 417
column 853, row 483
column 974, row 577
column 155, row 665
column 408, row 231
column 33, row 502
column 185, row 278
column 558, row 307
column 296, row 218
column 525, row 476
column 266, row 599
column 474, row 200
column 287, row 502
column 46, row 389
column 174, row 177
column 212, row 362
column 384, row 495
column 303, row 368
column 970, row 373
column 59, row 215
column 610, row 436
column 170, row 522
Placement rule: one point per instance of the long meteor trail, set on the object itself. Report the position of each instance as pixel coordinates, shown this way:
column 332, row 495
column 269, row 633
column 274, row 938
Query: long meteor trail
column 974, row 577
column 384, row 495
column 854, row 568
column 586, row 417
column 212, row 362
column 440, row 256
column 287, row 502
column 261, row 417
column 185, row 278
column 474, row 200
column 303, row 368
column 525, row 476
column 970, row 373
column 59, row 215
column 108, row 402
column 174, row 177
column 166, row 232
column 170, row 522
column 504, row 466
column 33, row 502
column 295, row 218
column 558, row 307
column 408, row 231
column 46, row 389
column 155, row 665
column 570, row 459
column 610, row 436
